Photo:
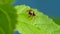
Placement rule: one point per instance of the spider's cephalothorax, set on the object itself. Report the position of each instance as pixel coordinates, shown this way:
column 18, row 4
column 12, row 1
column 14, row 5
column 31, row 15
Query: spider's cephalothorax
column 31, row 13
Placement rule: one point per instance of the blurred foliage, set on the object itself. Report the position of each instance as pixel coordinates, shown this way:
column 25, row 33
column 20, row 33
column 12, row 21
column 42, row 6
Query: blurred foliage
column 57, row 20
column 6, row 1
column 7, row 17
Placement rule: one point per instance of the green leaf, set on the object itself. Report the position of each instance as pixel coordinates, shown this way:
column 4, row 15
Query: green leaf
column 25, row 28
column 6, row 2
column 57, row 20
column 7, row 19
column 38, row 24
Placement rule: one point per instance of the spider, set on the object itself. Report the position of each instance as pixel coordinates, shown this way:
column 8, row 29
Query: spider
column 31, row 13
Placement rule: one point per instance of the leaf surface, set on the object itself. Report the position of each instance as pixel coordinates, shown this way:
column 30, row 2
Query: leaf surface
column 41, row 22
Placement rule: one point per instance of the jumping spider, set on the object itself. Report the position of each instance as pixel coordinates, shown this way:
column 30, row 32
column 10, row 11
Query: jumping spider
column 31, row 13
